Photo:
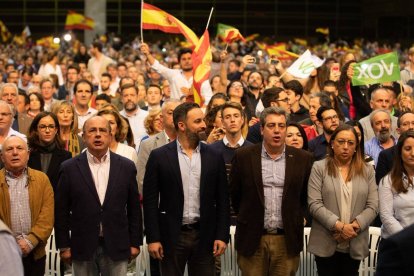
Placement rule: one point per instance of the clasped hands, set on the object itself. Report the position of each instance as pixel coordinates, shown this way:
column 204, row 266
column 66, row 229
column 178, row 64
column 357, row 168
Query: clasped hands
column 346, row 232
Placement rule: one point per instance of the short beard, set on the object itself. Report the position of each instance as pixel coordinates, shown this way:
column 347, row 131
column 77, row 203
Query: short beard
column 328, row 131
column 383, row 135
column 194, row 138
column 130, row 109
column 187, row 69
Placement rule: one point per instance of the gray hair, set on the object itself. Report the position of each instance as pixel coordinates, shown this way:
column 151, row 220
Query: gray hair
column 10, row 106
column 375, row 112
column 168, row 101
column 8, row 84
column 272, row 110
column 376, row 91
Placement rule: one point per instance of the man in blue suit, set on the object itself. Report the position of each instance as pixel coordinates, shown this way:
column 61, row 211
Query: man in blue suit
column 186, row 203
column 97, row 201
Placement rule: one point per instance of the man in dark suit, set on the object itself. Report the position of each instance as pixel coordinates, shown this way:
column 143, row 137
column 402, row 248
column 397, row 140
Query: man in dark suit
column 386, row 157
column 396, row 254
column 98, row 222
column 269, row 191
column 186, row 204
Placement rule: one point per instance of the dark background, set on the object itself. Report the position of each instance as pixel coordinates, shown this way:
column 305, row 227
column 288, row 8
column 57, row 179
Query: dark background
column 385, row 21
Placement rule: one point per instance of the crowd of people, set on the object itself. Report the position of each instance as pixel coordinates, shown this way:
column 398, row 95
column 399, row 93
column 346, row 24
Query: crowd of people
column 105, row 146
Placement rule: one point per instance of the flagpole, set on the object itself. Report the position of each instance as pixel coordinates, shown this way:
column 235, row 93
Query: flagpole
column 142, row 33
column 211, row 13
column 227, row 45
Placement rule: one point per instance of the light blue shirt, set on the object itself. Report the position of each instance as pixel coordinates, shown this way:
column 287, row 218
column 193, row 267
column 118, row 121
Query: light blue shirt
column 190, row 169
column 373, row 148
column 273, row 176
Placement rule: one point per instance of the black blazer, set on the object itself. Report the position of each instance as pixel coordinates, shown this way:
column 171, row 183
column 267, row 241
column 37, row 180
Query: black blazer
column 247, row 196
column 396, row 254
column 78, row 209
column 164, row 197
column 58, row 157
column 384, row 164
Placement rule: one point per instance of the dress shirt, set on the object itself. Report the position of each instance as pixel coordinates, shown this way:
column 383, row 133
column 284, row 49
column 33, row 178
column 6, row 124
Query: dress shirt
column 238, row 144
column 190, row 169
column 20, row 214
column 318, row 147
column 177, row 80
column 100, row 173
column 396, row 209
column 137, row 124
column 82, row 118
column 273, row 175
column 373, row 148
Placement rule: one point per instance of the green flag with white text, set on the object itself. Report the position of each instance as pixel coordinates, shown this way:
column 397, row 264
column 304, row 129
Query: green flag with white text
column 379, row 69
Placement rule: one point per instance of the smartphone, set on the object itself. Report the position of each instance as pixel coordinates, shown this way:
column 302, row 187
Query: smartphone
column 273, row 61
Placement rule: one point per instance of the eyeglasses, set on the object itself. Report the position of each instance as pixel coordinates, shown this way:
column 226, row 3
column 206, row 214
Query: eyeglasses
column 235, row 85
column 45, row 127
column 331, row 118
column 286, row 100
column 343, row 142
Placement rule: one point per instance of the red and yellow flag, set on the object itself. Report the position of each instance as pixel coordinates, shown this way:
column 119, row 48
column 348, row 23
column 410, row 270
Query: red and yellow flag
column 78, row 21
column 279, row 51
column 231, row 35
column 5, row 34
column 201, row 65
column 155, row 19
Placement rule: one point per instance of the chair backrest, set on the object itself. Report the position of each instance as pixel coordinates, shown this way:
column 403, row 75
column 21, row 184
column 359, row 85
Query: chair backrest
column 369, row 264
column 52, row 257
column 307, row 266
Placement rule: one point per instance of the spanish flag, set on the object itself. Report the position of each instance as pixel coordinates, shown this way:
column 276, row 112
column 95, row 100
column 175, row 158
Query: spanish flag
column 78, row 21
column 5, row 34
column 279, row 51
column 155, row 19
column 228, row 33
column 201, row 65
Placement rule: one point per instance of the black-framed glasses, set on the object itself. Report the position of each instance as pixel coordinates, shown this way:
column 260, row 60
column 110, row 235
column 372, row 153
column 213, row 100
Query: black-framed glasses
column 286, row 100
column 45, row 127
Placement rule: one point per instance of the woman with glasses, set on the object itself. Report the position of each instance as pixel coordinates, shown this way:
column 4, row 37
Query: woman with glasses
column 46, row 147
column 343, row 201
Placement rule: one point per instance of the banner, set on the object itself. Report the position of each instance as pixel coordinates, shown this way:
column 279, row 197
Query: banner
column 379, row 69
column 304, row 65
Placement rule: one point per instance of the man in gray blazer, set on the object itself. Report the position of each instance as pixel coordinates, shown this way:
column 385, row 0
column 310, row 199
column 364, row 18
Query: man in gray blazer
column 157, row 140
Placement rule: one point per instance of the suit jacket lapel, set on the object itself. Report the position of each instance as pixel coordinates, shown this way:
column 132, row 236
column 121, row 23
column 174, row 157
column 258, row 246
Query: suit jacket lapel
column 114, row 170
column 54, row 162
column 172, row 156
column 355, row 186
column 336, row 182
column 256, row 160
column 87, row 175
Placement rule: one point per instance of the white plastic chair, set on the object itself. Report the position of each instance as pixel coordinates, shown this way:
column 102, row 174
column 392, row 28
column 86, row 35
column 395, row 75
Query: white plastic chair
column 369, row 264
column 52, row 257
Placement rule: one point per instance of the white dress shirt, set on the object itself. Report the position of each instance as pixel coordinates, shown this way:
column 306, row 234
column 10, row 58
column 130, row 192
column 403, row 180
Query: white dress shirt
column 100, row 173
column 137, row 124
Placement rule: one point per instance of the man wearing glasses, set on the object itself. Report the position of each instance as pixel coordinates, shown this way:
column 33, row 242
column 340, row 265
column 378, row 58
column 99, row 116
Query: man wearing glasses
column 6, row 121
column 328, row 117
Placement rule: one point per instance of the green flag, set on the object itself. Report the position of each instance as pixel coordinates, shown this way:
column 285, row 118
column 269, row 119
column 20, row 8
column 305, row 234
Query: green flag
column 221, row 29
column 379, row 69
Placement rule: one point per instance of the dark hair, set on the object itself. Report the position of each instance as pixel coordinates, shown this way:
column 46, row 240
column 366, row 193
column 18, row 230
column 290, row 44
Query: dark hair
column 235, row 61
column 398, row 168
column 126, row 86
column 258, row 72
column 75, row 67
column 75, row 88
column 211, row 117
column 357, row 163
column 122, row 80
column 324, row 99
column 272, row 110
column 214, row 97
column 343, row 78
column 26, row 97
column 183, row 51
column 27, row 70
column 330, row 83
column 355, row 123
column 156, row 86
column 97, row 45
column 121, row 64
column 302, row 133
column 40, row 98
column 401, row 115
column 33, row 137
column 295, row 86
column 321, row 110
column 106, row 75
column 181, row 111
column 103, row 97
column 270, row 95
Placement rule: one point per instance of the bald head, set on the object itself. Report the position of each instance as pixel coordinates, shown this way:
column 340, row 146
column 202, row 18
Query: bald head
column 97, row 136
